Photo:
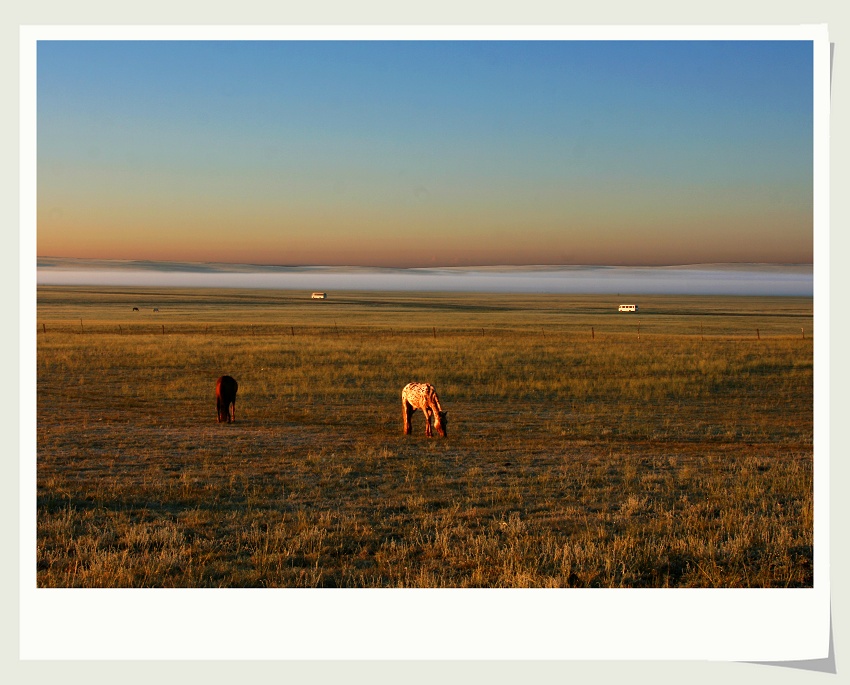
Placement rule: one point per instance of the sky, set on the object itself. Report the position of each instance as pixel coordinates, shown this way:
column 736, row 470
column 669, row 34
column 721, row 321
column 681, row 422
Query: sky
column 426, row 153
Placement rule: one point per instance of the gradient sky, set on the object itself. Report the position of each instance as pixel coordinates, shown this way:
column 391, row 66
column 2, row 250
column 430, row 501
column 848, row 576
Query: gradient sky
column 426, row 153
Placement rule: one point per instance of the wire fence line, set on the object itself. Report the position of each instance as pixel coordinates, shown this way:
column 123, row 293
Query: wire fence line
column 590, row 331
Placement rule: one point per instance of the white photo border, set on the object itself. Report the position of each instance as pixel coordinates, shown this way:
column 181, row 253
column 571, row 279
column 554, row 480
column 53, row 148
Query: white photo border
column 295, row 624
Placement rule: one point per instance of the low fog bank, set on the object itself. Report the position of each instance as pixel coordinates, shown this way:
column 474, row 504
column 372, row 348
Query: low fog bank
column 707, row 279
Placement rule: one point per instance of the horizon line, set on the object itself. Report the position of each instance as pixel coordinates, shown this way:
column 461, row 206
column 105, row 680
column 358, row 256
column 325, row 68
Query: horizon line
column 535, row 265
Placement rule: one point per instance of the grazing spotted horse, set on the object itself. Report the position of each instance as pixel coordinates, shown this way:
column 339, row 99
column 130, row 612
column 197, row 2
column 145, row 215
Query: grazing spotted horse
column 423, row 396
column 225, row 399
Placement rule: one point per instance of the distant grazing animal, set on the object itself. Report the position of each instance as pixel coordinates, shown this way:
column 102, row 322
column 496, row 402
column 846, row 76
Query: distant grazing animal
column 155, row 309
column 225, row 399
column 423, row 396
column 135, row 309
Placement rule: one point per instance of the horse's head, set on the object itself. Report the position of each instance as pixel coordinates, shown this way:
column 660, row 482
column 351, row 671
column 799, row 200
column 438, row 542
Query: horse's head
column 441, row 423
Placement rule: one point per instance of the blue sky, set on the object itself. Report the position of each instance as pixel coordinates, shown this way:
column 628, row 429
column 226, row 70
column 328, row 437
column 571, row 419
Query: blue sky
column 424, row 153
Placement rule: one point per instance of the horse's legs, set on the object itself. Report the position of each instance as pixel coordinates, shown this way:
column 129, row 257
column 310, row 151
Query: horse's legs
column 407, row 410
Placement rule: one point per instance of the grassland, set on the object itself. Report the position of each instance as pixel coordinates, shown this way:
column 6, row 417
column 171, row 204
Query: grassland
column 586, row 448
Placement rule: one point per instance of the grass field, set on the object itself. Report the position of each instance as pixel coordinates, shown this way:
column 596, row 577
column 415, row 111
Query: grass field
column 586, row 448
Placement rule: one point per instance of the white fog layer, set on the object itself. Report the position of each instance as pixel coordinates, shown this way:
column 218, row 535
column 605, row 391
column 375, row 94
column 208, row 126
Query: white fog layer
column 701, row 279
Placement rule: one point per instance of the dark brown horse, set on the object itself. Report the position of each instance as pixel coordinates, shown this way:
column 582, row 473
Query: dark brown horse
column 225, row 399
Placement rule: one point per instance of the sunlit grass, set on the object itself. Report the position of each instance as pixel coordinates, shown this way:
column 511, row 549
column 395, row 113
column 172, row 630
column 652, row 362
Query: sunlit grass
column 682, row 457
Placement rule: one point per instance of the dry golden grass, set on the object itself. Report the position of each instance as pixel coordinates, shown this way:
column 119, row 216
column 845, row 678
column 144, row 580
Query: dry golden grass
column 676, row 455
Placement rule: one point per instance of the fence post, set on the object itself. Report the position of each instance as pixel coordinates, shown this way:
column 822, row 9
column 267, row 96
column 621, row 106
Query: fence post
column 44, row 327
column 592, row 334
column 758, row 334
column 163, row 329
column 292, row 330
